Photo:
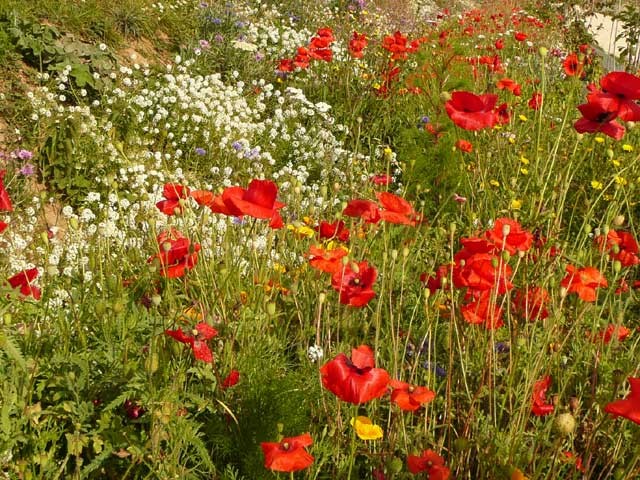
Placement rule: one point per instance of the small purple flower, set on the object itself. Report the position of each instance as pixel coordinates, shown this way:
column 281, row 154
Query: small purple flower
column 23, row 154
column 204, row 4
column 219, row 38
column 240, row 24
column 237, row 220
column 502, row 347
column 439, row 371
column 204, row 44
column 259, row 56
column 28, row 169
column 200, row 151
column 237, row 146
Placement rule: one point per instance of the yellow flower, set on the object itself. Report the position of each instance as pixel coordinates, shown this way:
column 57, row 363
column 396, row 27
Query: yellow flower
column 524, row 160
column 616, row 163
column 302, row 230
column 600, row 139
column 523, row 118
column 278, row 267
column 620, row 180
column 516, row 204
column 524, row 171
column 365, row 429
column 596, row 185
column 495, row 183
column 627, row 148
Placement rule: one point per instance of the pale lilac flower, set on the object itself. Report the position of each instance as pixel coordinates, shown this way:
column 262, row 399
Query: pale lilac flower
column 200, row 151
column 28, row 169
column 23, row 154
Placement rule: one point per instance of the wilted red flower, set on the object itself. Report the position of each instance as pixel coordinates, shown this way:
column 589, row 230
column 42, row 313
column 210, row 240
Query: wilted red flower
column 355, row 380
column 176, row 253
column 288, row 455
column 472, row 112
column 329, row 261
column 24, row 280
column 508, row 234
column 618, row 331
column 357, row 44
column 629, row 407
column 535, row 101
column 365, row 209
column 429, row 462
column 539, row 406
column 396, row 209
column 354, row 283
column 464, row 146
column 410, row 397
column 622, row 247
column 532, row 303
column 584, row 282
column 197, row 339
column 173, row 193
column 333, row 230
column 483, row 310
column 231, row 379
column 599, row 115
column 5, row 200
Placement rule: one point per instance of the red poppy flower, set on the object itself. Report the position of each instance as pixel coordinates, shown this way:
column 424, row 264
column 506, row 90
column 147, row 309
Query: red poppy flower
column 397, row 45
column 286, row 65
column 629, row 407
column 429, row 462
column 197, row 339
column 535, row 102
column 5, row 200
column 24, row 280
column 3, row 226
column 482, row 272
column 622, row 247
column 329, row 261
column 365, row 209
column 507, row 234
column 176, row 253
column 520, row 36
column 231, row 380
column 302, row 59
column 483, row 310
column 572, row 66
column 320, row 48
column 472, row 112
column 354, row 283
column 333, row 230
column 202, row 197
column 258, row 200
column 624, row 89
column 619, row 331
column 532, row 303
column 499, row 44
column 598, row 115
column 410, row 397
column 584, row 282
column 539, row 406
column 288, row 455
column 464, row 146
column 396, row 209
column 357, row 44
column 381, row 179
column 173, row 193
column 355, row 380
column 434, row 283
column 508, row 84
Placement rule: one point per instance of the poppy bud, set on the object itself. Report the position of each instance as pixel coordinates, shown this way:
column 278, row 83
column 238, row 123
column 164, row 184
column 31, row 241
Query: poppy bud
column 405, row 252
column 618, row 221
column 323, row 191
column 271, row 309
column 395, row 465
column 355, row 268
column 563, row 292
column 45, row 237
column 588, row 229
column 52, row 270
column 445, row 96
column 156, row 299
column 565, row 424
column 495, row 262
column 322, row 297
column 73, row 223
column 345, row 261
column 452, row 228
column 609, row 153
column 615, row 249
column 618, row 376
column 336, row 187
column 394, row 254
column 617, row 266
column 506, row 230
column 605, row 230
column 543, row 51
column 506, row 255
column 7, row 318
